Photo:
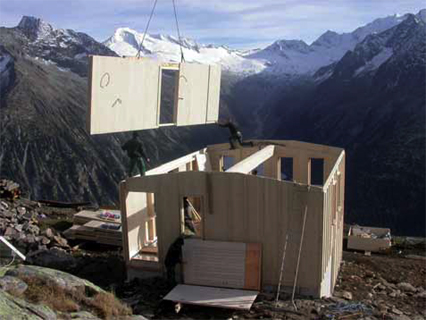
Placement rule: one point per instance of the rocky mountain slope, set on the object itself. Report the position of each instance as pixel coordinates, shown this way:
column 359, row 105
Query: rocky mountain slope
column 372, row 103
column 44, row 144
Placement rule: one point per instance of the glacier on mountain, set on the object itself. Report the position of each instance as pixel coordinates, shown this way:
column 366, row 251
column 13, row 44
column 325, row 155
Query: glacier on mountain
column 290, row 57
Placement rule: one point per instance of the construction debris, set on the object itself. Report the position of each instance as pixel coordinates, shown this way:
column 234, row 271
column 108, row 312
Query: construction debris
column 369, row 239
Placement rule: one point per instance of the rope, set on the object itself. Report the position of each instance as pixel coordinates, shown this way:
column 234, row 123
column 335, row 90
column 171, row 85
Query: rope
column 298, row 258
column 178, row 31
column 281, row 274
column 146, row 29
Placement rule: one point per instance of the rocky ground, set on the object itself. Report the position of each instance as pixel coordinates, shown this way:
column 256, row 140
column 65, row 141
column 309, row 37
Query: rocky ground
column 381, row 286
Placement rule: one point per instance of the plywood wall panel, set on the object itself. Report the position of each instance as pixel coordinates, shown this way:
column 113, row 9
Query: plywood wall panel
column 237, row 207
column 123, row 94
column 213, row 94
column 193, row 91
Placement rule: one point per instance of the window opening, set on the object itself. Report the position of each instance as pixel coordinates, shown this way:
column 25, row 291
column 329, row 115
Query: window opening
column 259, row 170
column 287, row 169
column 169, row 85
column 317, row 171
column 226, row 163
column 191, row 216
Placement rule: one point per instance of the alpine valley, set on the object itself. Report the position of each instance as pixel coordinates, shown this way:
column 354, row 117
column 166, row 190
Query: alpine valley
column 363, row 91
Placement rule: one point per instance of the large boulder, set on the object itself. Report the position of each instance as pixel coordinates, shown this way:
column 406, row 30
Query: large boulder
column 12, row 308
column 62, row 279
column 54, row 258
column 13, row 285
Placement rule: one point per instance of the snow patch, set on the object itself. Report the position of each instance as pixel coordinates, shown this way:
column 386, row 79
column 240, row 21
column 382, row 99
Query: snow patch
column 375, row 62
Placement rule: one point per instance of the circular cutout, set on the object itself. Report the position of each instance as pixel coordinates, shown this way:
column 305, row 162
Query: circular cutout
column 105, row 79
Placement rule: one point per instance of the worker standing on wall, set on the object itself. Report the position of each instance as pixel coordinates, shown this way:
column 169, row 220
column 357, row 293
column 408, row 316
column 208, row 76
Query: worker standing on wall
column 173, row 257
column 236, row 136
column 136, row 153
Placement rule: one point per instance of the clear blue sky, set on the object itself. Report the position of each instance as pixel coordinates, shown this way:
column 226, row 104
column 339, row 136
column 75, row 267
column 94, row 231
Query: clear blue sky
column 236, row 23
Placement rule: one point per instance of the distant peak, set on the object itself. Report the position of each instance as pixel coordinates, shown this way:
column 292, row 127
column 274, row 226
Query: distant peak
column 34, row 27
column 422, row 15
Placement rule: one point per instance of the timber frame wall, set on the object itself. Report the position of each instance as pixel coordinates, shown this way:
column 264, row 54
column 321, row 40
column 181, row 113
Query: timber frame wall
column 238, row 206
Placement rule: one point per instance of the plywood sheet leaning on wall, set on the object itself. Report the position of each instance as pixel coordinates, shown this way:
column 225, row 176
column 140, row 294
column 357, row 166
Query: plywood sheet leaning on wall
column 222, row 264
column 123, row 94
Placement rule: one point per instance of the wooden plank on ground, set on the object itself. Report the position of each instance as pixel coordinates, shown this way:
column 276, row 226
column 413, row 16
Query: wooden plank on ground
column 212, row 297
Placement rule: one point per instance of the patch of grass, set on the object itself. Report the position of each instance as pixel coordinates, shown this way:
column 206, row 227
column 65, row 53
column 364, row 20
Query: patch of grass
column 103, row 304
column 58, row 225
column 108, row 306
column 50, row 294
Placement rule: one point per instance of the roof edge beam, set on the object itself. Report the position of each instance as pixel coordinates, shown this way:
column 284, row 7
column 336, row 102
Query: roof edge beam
column 252, row 162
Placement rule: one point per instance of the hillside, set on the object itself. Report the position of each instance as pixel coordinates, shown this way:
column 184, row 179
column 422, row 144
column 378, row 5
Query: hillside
column 372, row 103
column 45, row 146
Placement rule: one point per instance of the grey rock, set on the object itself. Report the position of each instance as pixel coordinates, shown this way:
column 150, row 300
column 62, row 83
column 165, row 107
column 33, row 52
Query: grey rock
column 34, row 229
column 53, row 258
column 14, row 308
column 61, row 279
column 397, row 317
column 396, row 311
column 48, row 233
column 407, row 287
column 13, row 285
column 83, row 315
column 347, row 295
column 421, row 295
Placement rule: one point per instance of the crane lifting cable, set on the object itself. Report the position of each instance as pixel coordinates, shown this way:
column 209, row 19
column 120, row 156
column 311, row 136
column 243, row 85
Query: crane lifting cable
column 177, row 28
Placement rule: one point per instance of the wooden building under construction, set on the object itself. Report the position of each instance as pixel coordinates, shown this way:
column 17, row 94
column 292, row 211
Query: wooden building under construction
column 252, row 195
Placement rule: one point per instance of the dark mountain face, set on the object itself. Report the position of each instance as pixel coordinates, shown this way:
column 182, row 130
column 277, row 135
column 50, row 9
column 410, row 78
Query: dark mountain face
column 373, row 104
column 44, row 143
column 66, row 48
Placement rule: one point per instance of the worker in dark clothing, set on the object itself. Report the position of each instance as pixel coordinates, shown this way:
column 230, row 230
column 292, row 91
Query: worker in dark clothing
column 236, row 136
column 135, row 152
column 173, row 257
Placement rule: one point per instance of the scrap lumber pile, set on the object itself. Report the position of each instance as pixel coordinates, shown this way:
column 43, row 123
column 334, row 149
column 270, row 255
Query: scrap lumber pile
column 369, row 239
column 101, row 226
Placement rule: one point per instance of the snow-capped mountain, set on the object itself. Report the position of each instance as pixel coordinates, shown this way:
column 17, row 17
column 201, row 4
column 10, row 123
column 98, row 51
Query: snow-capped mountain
column 297, row 57
column 126, row 42
column 292, row 57
column 401, row 45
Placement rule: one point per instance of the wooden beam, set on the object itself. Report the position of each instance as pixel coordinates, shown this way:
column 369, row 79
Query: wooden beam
column 174, row 164
column 248, row 164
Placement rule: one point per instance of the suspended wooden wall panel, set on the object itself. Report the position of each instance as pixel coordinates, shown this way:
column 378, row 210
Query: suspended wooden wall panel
column 125, row 94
